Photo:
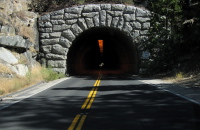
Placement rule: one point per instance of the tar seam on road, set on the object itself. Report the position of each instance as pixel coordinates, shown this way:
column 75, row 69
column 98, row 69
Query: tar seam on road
column 78, row 121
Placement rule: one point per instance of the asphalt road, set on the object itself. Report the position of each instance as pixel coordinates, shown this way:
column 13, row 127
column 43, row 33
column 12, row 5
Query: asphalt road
column 104, row 103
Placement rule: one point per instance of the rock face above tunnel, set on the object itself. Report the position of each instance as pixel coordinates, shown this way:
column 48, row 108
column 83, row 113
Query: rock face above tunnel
column 59, row 29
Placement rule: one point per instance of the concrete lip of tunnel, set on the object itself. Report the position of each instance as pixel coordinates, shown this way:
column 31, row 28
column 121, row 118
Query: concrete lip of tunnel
column 105, row 48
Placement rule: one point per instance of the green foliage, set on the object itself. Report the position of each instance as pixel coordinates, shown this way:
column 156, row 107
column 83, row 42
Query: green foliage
column 175, row 29
column 192, row 27
column 29, row 76
column 164, row 36
column 2, row 92
column 49, row 74
column 179, row 76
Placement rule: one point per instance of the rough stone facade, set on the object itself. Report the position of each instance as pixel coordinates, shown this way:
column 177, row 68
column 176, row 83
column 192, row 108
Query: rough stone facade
column 59, row 29
column 18, row 38
column 16, row 19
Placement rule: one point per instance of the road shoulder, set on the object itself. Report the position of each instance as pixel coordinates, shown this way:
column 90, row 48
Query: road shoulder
column 10, row 99
column 190, row 93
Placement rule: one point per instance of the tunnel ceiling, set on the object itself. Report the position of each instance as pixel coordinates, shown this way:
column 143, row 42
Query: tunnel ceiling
column 119, row 53
column 69, row 38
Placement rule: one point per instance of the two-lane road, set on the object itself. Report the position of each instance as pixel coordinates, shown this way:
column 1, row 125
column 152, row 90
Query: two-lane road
column 101, row 103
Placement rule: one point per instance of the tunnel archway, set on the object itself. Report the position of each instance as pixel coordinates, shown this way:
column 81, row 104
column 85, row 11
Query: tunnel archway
column 119, row 53
column 122, row 27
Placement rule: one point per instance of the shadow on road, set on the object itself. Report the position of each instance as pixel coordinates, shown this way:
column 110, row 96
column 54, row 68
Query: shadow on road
column 126, row 106
column 141, row 107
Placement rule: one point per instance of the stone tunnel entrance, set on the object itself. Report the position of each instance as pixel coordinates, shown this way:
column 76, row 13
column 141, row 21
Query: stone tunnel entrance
column 69, row 38
column 119, row 53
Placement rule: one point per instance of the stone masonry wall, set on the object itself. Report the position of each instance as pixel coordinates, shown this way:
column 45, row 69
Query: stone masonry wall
column 59, row 29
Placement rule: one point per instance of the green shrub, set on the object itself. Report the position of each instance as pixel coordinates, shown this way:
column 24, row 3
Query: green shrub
column 179, row 76
column 2, row 92
column 49, row 75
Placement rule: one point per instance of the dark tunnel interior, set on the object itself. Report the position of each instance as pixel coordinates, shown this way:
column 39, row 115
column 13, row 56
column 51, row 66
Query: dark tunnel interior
column 119, row 54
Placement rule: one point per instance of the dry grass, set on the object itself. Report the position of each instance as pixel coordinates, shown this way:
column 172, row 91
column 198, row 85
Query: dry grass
column 185, row 79
column 4, row 69
column 17, row 83
column 21, row 58
column 32, row 49
column 12, row 85
column 27, row 32
column 35, row 75
column 192, row 81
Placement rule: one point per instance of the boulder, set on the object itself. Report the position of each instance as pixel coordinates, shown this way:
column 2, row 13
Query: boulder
column 7, row 56
column 29, row 57
column 15, row 41
column 6, row 75
column 7, row 30
column 5, row 71
column 20, row 69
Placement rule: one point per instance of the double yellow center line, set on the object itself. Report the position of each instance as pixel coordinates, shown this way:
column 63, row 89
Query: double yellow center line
column 78, row 121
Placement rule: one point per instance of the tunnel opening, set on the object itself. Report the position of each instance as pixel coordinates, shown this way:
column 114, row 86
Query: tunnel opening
column 119, row 54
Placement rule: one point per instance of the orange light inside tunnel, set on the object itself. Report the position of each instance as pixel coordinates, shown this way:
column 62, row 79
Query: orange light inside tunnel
column 101, row 46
